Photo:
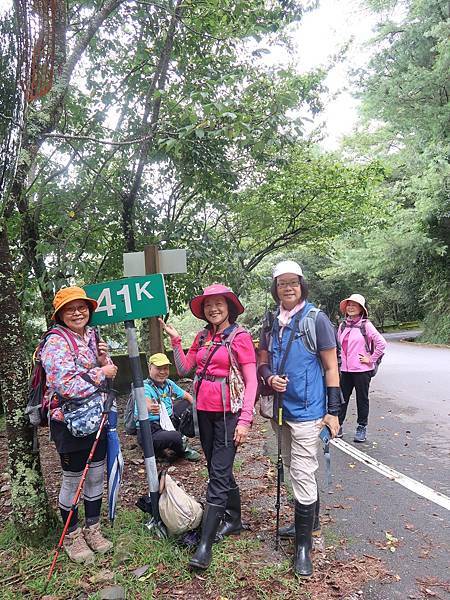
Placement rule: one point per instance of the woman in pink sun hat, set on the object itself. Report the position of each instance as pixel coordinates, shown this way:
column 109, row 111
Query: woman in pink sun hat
column 224, row 412
column 361, row 347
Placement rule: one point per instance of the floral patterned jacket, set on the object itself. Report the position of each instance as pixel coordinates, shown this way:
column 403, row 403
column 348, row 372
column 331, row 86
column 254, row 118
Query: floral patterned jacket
column 64, row 374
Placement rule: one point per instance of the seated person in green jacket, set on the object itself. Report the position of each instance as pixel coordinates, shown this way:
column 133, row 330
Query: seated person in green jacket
column 166, row 402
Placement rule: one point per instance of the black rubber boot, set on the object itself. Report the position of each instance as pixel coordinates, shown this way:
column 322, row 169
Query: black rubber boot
column 212, row 516
column 288, row 531
column 231, row 523
column 304, row 521
column 317, row 528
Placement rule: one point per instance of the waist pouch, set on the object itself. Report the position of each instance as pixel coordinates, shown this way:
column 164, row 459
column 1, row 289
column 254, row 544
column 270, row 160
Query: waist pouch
column 82, row 416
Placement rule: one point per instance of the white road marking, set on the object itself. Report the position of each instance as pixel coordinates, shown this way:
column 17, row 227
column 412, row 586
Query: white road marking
column 393, row 475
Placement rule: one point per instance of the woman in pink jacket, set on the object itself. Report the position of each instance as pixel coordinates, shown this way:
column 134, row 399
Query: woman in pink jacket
column 223, row 421
column 361, row 347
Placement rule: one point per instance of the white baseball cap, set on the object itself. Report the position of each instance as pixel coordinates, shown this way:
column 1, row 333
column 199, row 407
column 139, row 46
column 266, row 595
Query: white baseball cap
column 287, row 266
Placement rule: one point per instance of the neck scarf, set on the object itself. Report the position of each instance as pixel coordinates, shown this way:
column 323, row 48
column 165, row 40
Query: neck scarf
column 285, row 315
column 353, row 321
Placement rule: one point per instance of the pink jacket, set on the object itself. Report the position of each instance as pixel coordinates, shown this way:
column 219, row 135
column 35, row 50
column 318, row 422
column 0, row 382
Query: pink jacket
column 353, row 343
column 210, row 390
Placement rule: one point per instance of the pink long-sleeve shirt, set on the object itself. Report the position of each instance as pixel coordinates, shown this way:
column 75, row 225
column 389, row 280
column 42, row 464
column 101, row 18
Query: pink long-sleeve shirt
column 209, row 396
column 353, row 343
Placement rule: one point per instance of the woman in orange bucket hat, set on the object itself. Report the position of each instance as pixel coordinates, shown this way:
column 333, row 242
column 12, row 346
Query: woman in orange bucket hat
column 76, row 366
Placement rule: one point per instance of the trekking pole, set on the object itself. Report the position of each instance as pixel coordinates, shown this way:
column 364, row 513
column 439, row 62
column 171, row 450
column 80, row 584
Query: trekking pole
column 280, row 471
column 106, row 409
column 325, row 436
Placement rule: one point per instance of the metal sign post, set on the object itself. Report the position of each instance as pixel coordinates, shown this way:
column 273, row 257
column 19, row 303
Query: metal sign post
column 146, row 431
column 126, row 300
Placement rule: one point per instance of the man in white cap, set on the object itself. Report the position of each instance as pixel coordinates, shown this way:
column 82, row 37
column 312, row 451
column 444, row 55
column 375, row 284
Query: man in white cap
column 309, row 392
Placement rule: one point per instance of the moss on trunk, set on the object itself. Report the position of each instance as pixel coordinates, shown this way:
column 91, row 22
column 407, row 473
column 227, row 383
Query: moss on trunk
column 32, row 514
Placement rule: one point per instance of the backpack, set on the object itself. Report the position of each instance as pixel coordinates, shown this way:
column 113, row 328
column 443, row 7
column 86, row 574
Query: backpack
column 37, row 408
column 369, row 345
column 307, row 330
column 128, row 416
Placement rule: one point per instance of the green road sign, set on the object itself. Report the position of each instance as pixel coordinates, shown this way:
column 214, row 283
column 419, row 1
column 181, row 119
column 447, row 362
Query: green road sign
column 127, row 299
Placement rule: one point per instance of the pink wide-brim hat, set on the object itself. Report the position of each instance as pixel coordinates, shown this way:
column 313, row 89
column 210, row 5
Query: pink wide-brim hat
column 217, row 289
column 355, row 298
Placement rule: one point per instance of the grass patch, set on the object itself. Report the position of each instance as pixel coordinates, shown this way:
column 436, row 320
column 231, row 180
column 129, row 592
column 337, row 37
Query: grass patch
column 331, row 537
column 24, row 570
column 276, row 582
column 239, row 568
column 237, row 465
column 409, row 326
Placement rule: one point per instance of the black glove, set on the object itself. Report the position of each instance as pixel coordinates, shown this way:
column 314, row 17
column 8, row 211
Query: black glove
column 334, row 401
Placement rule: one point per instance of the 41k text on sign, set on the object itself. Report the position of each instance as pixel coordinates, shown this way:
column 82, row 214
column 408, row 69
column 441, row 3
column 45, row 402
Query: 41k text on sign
column 128, row 299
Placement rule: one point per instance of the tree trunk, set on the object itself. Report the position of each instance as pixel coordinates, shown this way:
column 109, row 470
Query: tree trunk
column 149, row 125
column 32, row 514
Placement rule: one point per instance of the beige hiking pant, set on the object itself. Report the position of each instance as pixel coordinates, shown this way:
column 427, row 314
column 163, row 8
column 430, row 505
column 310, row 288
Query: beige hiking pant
column 299, row 448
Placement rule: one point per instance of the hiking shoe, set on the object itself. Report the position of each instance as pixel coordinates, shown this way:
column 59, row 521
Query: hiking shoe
column 340, row 433
column 76, row 548
column 95, row 539
column 360, row 434
column 191, row 454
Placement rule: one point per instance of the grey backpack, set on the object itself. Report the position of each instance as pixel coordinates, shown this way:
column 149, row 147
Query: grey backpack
column 307, row 330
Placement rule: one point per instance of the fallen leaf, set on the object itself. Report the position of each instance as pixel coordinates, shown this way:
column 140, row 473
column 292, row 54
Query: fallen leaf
column 104, row 576
column 140, row 571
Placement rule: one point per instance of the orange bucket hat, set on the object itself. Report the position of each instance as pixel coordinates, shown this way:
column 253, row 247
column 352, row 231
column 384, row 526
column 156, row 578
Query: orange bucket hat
column 66, row 295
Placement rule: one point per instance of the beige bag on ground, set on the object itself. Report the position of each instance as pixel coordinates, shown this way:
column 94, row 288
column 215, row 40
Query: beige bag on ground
column 179, row 511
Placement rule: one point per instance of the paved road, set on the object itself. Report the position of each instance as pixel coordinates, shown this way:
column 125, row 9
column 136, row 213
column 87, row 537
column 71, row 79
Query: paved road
column 409, row 431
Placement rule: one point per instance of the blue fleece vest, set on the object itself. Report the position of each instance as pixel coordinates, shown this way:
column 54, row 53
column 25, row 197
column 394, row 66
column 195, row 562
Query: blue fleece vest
column 305, row 396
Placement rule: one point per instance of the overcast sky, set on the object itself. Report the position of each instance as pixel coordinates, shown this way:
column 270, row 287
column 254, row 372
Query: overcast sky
column 321, row 35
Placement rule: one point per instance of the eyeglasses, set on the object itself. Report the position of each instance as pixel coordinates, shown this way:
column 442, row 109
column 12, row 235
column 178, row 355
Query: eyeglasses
column 81, row 309
column 285, row 284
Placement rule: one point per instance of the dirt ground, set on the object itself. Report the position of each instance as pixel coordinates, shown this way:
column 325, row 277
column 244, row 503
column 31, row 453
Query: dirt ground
column 256, row 475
